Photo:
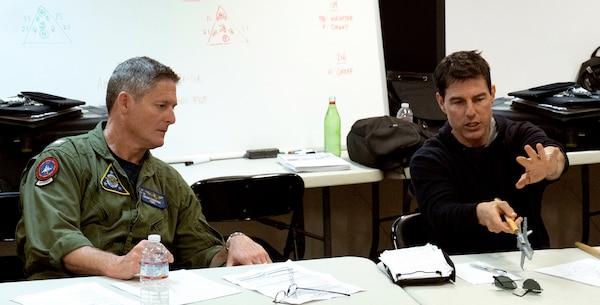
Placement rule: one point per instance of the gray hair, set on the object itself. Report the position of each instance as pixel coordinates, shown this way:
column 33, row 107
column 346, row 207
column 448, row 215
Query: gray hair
column 136, row 76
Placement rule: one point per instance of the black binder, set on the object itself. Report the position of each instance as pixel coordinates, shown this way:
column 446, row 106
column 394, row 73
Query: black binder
column 563, row 94
column 543, row 91
column 51, row 100
column 558, row 112
column 33, row 109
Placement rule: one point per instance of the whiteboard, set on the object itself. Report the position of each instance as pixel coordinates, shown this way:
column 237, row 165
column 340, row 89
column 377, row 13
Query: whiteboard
column 255, row 74
column 527, row 43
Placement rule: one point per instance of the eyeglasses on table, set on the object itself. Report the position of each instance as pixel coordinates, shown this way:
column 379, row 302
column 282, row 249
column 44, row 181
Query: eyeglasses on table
column 529, row 285
column 293, row 289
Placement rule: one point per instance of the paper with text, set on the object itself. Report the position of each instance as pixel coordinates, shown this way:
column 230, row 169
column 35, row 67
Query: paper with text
column 475, row 276
column 184, row 287
column 316, row 162
column 277, row 279
column 584, row 271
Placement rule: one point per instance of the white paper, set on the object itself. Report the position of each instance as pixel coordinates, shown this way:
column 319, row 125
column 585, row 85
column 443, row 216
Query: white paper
column 477, row 276
column 78, row 294
column 272, row 280
column 184, row 287
column 584, row 271
column 418, row 262
column 316, row 162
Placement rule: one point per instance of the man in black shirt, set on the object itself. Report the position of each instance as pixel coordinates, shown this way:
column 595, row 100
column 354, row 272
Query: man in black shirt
column 481, row 168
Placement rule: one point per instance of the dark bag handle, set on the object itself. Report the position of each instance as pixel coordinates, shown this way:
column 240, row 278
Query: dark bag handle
column 415, row 77
column 595, row 53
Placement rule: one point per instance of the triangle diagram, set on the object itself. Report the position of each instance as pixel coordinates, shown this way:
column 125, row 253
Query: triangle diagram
column 223, row 31
column 45, row 30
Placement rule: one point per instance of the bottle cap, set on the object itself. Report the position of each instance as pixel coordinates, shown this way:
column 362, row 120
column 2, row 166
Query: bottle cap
column 404, row 105
column 332, row 99
column 154, row 238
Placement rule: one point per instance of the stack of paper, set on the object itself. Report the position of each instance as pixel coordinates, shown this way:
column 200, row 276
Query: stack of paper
column 316, row 162
column 422, row 262
column 278, row 278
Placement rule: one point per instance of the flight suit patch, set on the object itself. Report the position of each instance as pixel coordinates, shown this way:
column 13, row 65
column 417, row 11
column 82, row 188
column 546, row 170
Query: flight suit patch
column 45, row 171
column 110, row 182
column 153, row 198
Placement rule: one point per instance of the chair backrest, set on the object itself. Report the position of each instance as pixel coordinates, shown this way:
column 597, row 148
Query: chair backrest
column 9, row 215
column 11, row 266
column 249, row 197
column 407, row 231
column 257, row 197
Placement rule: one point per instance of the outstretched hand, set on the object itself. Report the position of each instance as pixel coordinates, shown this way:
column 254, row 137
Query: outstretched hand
column 538, row 165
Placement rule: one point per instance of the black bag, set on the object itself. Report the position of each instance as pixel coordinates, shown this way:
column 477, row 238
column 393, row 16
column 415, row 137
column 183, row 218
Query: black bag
column 418, row 89
column 589, row 73
column 384, row 142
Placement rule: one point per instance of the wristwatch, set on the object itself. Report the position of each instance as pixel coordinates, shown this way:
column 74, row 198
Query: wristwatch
column 230, row 236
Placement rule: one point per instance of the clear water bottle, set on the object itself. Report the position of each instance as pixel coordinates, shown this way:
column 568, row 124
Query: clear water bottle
column 154, row 273
column 333, row 139
column 405, row 113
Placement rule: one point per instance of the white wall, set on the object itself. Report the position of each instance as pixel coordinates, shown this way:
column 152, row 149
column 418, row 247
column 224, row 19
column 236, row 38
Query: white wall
column 527, row 42
column 255, row 73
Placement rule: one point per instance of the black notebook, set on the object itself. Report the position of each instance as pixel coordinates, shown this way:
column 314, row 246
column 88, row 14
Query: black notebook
column 51, row 100
column 35, row 116
column 538, row 92
column 560, row 112
column 567, row 94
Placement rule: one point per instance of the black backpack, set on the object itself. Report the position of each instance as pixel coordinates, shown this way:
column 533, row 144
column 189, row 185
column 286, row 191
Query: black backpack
column 589, row 73
column 384, row 142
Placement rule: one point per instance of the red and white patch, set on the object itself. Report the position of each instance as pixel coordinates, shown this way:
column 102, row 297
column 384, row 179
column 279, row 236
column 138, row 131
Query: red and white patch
column 46, row 169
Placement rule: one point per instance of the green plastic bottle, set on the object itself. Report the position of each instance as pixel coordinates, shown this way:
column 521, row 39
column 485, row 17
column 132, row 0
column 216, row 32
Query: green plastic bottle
column 333, row 139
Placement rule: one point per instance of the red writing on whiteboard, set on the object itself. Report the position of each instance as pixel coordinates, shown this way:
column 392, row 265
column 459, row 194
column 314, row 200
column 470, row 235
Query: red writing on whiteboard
column 223, row 31
column 342, row 66
column 343, row 71
column 336, row 23
column 340, row 71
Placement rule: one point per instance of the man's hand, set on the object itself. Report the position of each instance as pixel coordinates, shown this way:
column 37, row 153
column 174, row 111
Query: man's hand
column 129, row 264
column 490, row 214
column 546, row 163
column 92, row 261
column 242, row 250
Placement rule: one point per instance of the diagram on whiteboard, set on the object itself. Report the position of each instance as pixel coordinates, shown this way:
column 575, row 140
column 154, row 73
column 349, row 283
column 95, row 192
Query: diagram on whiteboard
column 223, row 30
column 44, row 28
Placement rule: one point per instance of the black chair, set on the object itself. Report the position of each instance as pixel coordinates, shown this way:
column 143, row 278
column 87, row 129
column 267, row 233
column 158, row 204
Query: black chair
column 258, row 198
column 9, row 203
column 407, row 231
column 11, row 266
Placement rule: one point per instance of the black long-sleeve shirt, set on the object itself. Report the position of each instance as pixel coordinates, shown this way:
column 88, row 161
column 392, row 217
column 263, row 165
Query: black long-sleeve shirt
column 449, row 180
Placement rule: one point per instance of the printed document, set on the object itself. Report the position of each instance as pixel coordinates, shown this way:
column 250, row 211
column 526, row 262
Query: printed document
column 584, row 271
column 306, row 285
column 316, row 162
column 184, row 287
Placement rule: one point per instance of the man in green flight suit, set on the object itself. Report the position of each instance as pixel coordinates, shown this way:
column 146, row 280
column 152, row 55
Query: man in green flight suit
column 88, row 202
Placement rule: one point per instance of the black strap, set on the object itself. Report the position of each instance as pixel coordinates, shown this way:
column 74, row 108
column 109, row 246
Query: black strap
column 595, row 54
